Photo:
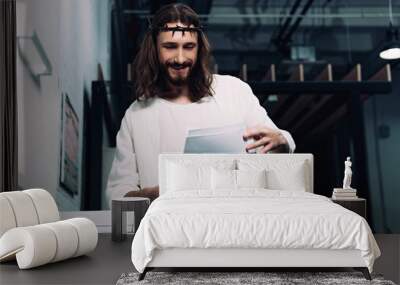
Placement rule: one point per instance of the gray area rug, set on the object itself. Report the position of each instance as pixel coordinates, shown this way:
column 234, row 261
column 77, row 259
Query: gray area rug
column 229, row 278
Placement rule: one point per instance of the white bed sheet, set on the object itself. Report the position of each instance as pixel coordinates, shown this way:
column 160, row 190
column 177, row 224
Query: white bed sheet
column 252, row 218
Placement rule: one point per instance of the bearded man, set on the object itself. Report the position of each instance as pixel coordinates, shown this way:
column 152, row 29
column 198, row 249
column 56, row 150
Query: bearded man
column 176, row 91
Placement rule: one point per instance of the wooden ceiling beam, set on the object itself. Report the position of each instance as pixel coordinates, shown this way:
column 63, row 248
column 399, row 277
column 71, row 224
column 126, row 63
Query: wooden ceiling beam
column 295, row 110
column 304, row 122
column 296, row 76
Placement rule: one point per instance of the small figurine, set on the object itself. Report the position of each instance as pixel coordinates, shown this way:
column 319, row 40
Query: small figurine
column 347, row 174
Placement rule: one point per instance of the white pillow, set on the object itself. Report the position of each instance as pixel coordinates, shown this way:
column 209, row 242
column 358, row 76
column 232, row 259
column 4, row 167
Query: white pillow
column 182, row 178
column 186, row 175
column 223, row 179
column 237, row 179
column 281, row 175
column 251, row 178
column 292, row 179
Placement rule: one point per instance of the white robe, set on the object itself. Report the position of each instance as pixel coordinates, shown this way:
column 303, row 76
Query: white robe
column 156, row 126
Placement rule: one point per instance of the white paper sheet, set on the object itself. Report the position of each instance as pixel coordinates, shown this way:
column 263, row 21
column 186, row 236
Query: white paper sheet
column 227, row 139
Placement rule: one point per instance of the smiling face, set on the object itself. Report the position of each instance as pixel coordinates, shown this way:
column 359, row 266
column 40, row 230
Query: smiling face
column 177, row 52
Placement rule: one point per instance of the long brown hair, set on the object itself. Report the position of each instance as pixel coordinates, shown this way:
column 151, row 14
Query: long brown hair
column 149, row 81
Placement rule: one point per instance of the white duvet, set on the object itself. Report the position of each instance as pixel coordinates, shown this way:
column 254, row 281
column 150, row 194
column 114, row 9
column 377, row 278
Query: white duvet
column 250, row 219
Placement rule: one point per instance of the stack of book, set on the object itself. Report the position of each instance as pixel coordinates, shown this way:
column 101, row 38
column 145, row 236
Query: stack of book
column 344, row 194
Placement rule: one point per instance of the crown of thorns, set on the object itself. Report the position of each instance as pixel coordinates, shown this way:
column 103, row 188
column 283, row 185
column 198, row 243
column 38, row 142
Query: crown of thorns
column 175, row 29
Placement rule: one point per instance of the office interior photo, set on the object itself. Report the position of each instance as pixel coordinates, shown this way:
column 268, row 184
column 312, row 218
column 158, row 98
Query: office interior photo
column 216, row 141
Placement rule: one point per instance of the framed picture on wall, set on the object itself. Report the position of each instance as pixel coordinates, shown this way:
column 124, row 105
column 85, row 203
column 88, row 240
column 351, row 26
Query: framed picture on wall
column 69, row 159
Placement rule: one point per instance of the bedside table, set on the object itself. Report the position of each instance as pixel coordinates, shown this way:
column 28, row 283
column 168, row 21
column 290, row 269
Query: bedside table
column 358, row 205
column 138, row 205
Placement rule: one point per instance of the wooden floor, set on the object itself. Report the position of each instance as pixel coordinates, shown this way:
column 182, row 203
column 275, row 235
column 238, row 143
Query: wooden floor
column 110, row 260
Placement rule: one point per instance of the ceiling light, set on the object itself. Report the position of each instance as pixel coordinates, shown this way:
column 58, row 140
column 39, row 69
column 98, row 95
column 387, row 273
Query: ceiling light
column 392, row 49
column 390, row 52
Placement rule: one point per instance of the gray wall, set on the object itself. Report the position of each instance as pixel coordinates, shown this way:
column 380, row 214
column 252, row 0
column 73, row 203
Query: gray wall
column 384, row 158
column 76, row 36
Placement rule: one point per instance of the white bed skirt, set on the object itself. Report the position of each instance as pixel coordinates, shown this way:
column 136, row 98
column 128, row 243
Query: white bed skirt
column 192, row 257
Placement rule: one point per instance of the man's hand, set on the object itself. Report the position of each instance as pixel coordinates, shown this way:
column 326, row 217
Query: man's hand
column 266, row 138
column 150, row 192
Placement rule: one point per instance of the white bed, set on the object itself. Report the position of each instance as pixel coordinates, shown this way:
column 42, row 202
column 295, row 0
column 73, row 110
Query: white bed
column 223, row 218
